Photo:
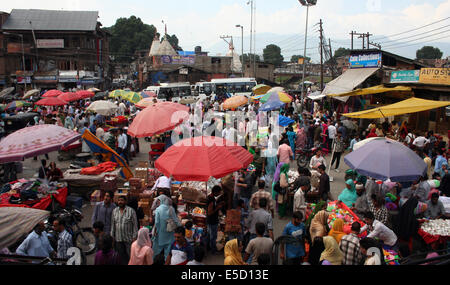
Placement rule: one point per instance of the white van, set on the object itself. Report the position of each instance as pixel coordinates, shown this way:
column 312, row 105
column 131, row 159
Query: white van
column 172, row 91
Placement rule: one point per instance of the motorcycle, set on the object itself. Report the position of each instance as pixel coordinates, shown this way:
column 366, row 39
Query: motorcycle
column 304, row 156
column 83, row 238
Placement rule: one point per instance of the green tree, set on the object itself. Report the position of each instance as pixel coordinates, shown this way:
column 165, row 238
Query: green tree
column 429, row 52
column 341, row 52
column 128, row 36
column 173, row 40
column 272, row 54
column 248, row 57
column 295, row 58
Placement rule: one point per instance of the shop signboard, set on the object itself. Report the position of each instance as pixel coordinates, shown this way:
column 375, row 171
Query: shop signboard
column 405, row 76
column 439, row 76
column 54, row 43
column 365, row 60
column 22, row 80
column 178, row 59
column 17, row 48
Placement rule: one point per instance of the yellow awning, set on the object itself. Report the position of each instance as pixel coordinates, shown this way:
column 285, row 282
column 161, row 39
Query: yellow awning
column 372, row 90
column 412, row 105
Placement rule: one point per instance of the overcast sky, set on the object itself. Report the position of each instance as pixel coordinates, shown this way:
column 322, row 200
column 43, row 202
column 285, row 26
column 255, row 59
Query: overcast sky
column 202, row 22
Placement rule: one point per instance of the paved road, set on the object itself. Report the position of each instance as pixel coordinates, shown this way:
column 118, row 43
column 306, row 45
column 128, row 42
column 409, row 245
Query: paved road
column 31, row 167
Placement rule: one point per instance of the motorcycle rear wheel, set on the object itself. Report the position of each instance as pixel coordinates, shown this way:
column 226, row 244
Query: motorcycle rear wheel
column 85, row 240
column 302, row 161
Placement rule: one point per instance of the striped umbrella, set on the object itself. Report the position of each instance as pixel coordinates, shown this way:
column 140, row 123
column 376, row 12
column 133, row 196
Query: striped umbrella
column 274, row 96
column 132, row 97
column 17, row 104
column 116, row 93
column 144, row 103
column 52, row 93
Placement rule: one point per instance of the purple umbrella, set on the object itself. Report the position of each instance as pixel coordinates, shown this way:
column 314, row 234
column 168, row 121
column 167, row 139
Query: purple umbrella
column 386, row 159
column 34, row 141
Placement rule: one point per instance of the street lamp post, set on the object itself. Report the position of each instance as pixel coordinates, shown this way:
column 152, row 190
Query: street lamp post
column 242, row 40
column 306, row 3
column 23, row 56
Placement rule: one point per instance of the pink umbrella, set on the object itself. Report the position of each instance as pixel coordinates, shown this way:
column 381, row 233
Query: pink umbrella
column 51, row 101
column 158, row 118
column 84, row 94
column 34, row 141
column 69, row 97
column 52, row 93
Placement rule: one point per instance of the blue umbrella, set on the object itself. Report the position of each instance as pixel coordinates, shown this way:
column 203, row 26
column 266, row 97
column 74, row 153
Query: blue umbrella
column 285, row 121
column 387, row 159
column 272, row 105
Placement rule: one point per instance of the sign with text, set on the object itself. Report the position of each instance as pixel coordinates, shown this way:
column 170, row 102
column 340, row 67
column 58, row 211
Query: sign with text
column 17, row 48
column 439, row 76
column 365, row 60
column 178, row 59
column 58, row 43
column 405, row 76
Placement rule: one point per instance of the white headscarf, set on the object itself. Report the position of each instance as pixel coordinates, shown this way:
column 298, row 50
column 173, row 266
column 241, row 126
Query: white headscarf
column 144, row 238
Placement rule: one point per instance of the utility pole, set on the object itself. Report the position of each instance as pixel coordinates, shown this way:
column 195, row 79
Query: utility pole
column 251, row 30
column 352, row 33
column 230, row 45
column 321, row 55
column 242, row 41
column 35, row 46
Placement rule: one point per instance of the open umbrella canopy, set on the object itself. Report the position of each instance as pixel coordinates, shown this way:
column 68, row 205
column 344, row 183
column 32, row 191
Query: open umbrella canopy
column 132, row 97
column 366, row 141
column 272, row 105
column 116, row 93
column 144, row 103
column 17, row 104
column 100, row 96
column 102, row 107
column 147, row 94
column 51, row 101
column 69, row 97
column 34, row 141
column 386, row 159
column 52, row 93
column 261, row 89
column 158, row 118
column 94, row 90
column 6, row 91
column 31, row 93
column 84, row 94
column 285, row 121
column 234, row 102
column 200, row 158
column 280, row 96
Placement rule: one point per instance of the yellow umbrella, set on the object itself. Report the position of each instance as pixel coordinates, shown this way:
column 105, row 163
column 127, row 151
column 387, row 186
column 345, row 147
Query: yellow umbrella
column 132, row 97
column 261, row 89
column 234, row 102
column 116, row 93
column 412, row 105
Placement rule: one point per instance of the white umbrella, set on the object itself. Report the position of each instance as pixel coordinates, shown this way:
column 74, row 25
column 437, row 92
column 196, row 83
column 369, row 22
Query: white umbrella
column 30, row 93
column 363, row 142
column 6, row 91
column 105, row 108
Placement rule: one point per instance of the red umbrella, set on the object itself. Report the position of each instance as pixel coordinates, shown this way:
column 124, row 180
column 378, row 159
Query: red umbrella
column 158, row 118
column 69, row 97
column 51, row 101
column 84, row 94
column 200, row 158
column 52, row 93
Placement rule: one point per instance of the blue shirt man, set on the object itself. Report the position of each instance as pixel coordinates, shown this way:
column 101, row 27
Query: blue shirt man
column 294, row 253
column 36, row 243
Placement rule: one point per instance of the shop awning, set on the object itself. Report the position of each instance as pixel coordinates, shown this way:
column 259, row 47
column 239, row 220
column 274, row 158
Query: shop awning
column 316, row 96
column 348, row 81
column 413, row 105
column 373, row 90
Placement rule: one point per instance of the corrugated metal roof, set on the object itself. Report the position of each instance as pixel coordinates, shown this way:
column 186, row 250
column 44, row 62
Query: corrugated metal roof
column 51, row 20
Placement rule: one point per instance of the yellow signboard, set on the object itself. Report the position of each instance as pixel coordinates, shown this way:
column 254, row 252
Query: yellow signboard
column 439, row 76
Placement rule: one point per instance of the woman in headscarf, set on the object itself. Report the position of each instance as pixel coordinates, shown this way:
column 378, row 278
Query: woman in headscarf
column 233, row 255
column 332, row 253
column 162, row 239
column 319, row 207
column 141, row 250
column 316, row 249
column 349, row 195
column 319, row 225
column 301, row 139
column 337, row 232
column 445, row 185
column 371, row 257
column 281, row 199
